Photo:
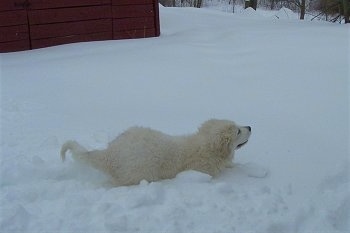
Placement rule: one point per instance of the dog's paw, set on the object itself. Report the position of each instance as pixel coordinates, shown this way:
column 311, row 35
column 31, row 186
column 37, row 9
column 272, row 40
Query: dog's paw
column 254, row 170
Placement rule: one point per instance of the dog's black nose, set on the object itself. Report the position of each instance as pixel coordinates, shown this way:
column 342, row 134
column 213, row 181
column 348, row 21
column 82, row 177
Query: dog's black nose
column 249, row 128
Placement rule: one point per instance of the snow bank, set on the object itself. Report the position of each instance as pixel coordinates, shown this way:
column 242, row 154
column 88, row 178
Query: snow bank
column 285, row 13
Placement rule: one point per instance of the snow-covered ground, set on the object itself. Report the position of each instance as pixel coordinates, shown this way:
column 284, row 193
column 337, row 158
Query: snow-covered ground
column 288, row 79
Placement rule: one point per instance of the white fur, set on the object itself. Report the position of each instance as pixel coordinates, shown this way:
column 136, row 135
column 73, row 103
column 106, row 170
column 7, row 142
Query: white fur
column 146, row 154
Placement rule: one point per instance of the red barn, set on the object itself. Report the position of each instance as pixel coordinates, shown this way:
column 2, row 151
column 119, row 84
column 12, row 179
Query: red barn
column 31, row 24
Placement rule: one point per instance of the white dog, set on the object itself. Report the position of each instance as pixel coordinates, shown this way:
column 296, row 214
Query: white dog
column 145, row 154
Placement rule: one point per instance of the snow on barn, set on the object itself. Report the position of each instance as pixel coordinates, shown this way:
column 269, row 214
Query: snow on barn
column 31, row 24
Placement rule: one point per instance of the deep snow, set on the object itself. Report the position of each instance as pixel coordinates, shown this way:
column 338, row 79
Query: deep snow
column 286, row 78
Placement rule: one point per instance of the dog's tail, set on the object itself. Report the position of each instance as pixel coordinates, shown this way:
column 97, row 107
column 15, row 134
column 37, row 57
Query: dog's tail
column 95, row 158
column 76, row 149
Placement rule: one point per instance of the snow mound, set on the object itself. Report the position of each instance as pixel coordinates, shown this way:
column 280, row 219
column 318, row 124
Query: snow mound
column 285, row 13
column 192, row 177
column 250, row 12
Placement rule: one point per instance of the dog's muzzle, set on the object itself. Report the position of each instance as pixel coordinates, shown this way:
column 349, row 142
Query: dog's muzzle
column 242, row 144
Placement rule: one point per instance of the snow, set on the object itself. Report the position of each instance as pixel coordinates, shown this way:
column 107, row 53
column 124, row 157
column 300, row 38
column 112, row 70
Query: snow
column 286, row 78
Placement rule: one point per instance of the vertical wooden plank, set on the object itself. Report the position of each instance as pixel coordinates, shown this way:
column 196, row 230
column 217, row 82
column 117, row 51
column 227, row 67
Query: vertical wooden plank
column 156, row 17
column 129, row 18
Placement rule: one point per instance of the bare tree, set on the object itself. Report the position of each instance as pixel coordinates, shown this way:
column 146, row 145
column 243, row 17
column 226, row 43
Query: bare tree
column 251, row 3
column 272, row 4
column 346, row 9
column 198, row 3
column 302, row 9
column 333, row 10
column 168, row 2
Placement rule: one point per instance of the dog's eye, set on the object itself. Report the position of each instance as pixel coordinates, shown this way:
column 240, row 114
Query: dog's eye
column 239, row 132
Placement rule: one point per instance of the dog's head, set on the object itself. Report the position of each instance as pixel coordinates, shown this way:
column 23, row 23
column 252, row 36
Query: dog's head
column 225, row 136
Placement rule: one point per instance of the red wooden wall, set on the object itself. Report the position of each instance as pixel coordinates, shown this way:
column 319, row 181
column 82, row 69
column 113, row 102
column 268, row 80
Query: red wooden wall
column 30, row 24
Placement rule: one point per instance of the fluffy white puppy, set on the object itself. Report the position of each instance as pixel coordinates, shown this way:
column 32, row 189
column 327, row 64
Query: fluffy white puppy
column 146, row 154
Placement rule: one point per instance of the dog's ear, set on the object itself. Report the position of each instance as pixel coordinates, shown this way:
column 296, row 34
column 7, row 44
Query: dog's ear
column 223, row 142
